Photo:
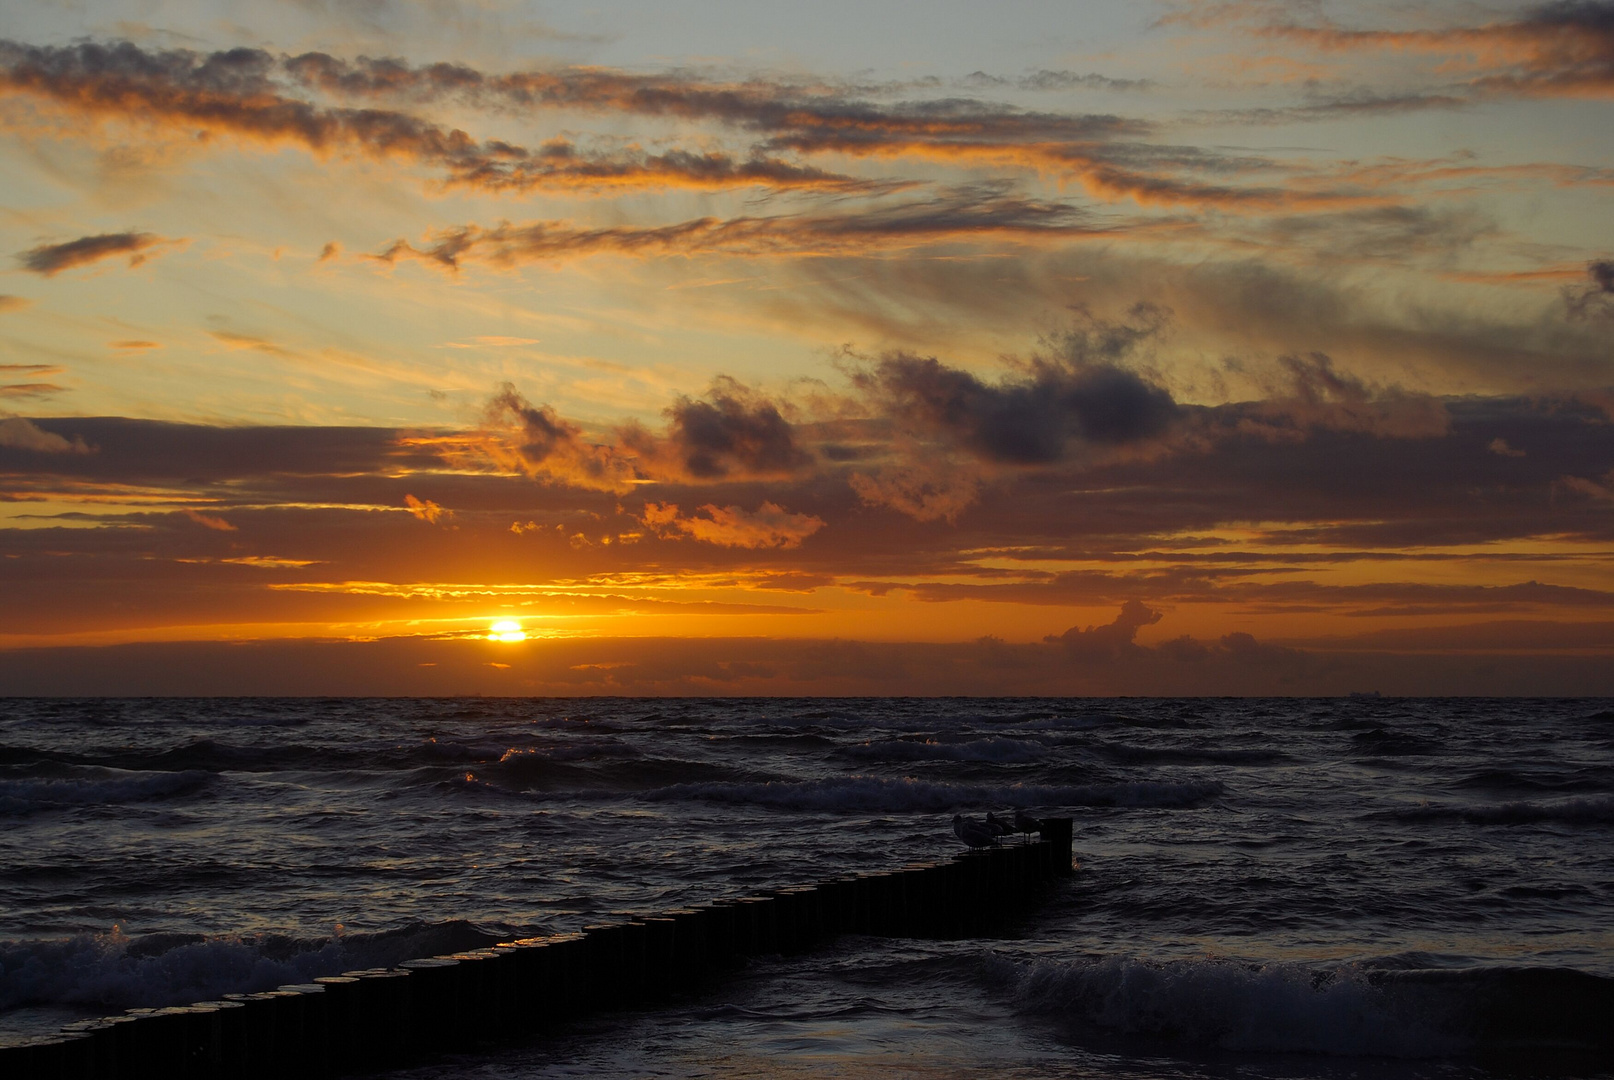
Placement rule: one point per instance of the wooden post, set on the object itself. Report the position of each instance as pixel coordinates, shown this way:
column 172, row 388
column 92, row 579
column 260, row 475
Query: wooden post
column 1060, row 832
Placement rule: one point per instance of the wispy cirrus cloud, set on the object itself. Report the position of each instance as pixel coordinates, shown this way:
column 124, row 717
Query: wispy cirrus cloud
column 364, row 106
column 976, row 212
column 241, row 92
column 1564, row 48
column 29, row 390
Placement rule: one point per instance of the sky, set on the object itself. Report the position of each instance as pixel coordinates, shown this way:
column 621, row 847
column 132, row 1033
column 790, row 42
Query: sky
column 1118, row 347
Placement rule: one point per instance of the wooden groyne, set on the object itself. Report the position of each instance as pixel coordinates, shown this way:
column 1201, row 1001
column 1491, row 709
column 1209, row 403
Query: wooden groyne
column 361, row 1021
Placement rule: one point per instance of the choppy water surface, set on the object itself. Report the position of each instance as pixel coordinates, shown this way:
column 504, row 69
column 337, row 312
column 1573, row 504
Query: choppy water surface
column 1267, row 888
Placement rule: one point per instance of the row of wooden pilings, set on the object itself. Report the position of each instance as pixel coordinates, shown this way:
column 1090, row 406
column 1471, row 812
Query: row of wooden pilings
column 361, row 1021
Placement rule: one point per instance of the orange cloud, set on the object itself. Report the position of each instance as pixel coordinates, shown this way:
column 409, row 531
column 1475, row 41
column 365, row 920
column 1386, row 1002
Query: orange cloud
column 29, row 390
column 426, row 510
column 237, row 93
column 255, row 95
column 769, row 526
column 1562, row 49
column 208, row 521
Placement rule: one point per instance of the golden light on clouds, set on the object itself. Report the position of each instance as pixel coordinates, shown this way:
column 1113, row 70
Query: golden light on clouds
column 1087, row 379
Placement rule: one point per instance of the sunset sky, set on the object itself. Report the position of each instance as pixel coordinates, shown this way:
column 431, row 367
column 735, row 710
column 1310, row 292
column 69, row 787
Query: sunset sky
column 842, row 348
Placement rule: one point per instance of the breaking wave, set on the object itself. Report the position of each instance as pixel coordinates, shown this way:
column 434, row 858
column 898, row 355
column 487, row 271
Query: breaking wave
column 114, row 971
column 1351, row 1011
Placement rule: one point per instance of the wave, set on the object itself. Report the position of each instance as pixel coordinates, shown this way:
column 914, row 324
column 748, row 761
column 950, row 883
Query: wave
column 1382, row 743
column 114, row 971
column 1351, row 1010
column 1592, row 810
column 214, row 755
column 1502, row 779
column 581, row 750
column 1006, row 751
column 539, row 774
column 879, row 794
column 1131, row 754
column 105, row 787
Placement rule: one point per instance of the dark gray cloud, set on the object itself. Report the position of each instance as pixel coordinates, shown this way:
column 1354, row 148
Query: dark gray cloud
column 733, row 431
column 1079, row 393
column 1594, row 300
column 543, row 432
column 50, row 259
column 140, row 451
column 1110, row 641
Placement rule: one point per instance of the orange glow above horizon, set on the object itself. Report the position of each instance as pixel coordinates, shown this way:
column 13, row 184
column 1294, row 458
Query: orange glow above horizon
column 1181, row 358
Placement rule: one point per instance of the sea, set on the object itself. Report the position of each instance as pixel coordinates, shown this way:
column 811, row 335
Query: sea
column 1362, row 887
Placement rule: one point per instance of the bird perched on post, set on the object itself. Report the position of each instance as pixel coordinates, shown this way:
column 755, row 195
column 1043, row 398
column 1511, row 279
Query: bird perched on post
column 1024, row 822
column 998, row 826
column 974, row 833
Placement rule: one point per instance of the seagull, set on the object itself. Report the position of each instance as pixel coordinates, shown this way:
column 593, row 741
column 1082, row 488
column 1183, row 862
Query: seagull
column 998, row 826
column 974, row 833
column 1024, row 822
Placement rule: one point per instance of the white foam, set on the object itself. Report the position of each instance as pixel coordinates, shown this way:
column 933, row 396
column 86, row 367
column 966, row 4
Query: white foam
column 114, row 971
column 1273, row 1008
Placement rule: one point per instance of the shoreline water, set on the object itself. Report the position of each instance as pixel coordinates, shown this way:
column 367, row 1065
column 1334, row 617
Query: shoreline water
column 1241, row 858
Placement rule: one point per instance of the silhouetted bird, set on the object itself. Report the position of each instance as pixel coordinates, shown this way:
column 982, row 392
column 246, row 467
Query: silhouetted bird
column 973, row 833
column 1024, row 822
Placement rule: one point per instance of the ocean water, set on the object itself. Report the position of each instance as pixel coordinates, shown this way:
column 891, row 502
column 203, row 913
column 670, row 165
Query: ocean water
column 1285, row 888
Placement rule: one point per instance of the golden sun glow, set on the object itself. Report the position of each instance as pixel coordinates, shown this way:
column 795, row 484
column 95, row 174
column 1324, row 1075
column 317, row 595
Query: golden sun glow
column 506, row 630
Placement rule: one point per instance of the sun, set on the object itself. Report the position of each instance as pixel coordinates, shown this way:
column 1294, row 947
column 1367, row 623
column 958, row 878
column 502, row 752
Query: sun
column 506, row 630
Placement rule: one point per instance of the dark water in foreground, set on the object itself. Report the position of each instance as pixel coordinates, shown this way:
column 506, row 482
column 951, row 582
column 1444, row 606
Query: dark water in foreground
column 1268, row 888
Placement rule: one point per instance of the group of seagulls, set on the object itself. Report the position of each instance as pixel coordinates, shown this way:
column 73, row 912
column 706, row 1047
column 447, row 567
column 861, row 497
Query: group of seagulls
column 980, row 834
